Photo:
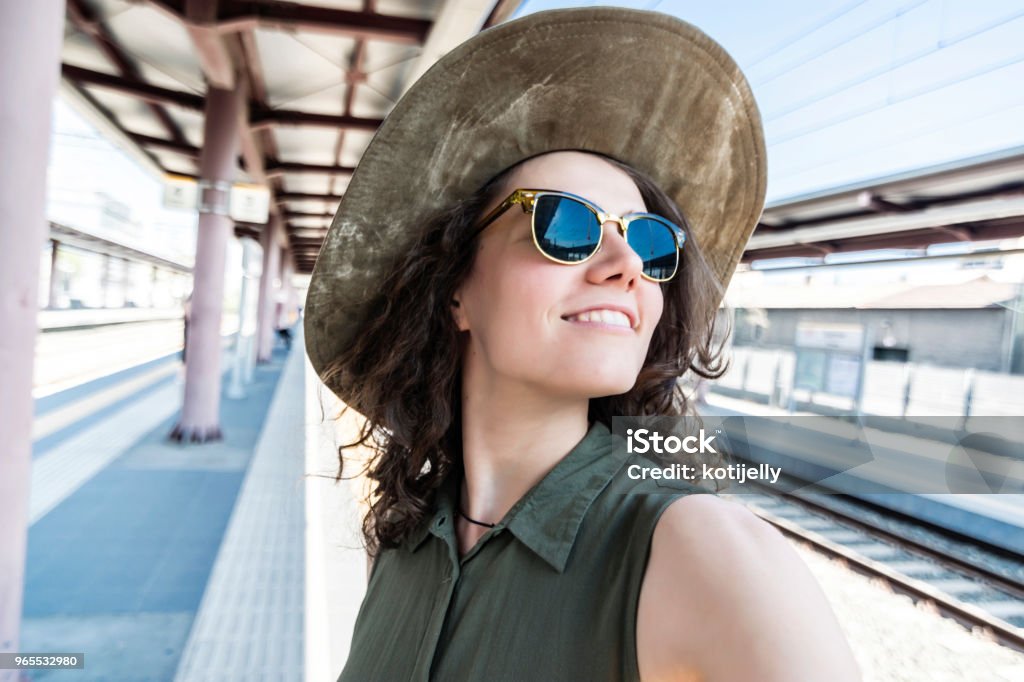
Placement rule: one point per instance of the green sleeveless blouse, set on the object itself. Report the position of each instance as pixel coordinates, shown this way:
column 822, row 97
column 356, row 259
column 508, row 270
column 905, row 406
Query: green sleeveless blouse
column 550, row 593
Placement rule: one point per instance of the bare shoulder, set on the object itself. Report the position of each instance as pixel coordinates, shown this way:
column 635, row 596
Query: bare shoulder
column 726, row 597
column 695, row 524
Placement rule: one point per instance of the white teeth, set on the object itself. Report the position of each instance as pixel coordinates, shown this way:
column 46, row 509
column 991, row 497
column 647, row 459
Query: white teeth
column 612, row 317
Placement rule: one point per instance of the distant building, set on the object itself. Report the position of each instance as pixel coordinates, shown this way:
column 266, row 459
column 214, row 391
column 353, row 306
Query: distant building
column 978, row 323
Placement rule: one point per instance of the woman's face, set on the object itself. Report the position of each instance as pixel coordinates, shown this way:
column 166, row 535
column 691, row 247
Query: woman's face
column 520, row 309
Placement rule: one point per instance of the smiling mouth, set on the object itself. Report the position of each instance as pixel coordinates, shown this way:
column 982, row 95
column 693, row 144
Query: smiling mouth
column 601, row 318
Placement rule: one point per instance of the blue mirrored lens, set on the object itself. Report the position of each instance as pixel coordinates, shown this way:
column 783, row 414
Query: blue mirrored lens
column 565, row 229
column 655, row 242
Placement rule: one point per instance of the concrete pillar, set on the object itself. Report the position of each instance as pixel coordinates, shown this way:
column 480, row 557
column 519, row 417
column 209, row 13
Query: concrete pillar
column 268, row 289
column 54, row 293
column 30, row 40
column 200, row 413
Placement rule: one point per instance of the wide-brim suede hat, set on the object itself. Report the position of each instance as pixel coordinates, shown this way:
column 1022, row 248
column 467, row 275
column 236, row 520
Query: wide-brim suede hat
column 643, row 87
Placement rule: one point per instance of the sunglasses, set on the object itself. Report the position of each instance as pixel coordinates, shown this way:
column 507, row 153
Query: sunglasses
column 568, row 229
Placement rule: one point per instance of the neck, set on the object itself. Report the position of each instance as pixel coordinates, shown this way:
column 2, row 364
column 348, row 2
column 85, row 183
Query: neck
column 510, row 441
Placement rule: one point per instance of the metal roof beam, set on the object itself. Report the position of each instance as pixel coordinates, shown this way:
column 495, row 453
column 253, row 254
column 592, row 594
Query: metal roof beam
column 300, row 196
column 133, row 88
column 943, row 216
column 278, row 168
column 961, row 233
column 245, row 15
column 258, row 119
column 201, row 23
column 912, row 239
column 254, row 145
column 169, row 145
column 280, row 117
column 239, row 15
column 354, row 76
column 84, row 20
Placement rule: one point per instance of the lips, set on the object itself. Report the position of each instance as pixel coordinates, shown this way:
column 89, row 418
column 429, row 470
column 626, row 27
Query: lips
column 616, row 316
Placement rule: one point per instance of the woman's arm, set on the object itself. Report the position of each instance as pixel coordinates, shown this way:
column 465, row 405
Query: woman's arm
column 726, row 598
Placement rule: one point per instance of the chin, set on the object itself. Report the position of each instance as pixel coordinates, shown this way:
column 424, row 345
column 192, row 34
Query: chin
column 590, row 377
column 610, row 391
column 601, row 387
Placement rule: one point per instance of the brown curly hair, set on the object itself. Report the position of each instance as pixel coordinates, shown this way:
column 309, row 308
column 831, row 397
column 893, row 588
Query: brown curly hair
column 406, row 362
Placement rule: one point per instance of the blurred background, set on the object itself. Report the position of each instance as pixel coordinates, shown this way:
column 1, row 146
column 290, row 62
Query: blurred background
column 167, row 505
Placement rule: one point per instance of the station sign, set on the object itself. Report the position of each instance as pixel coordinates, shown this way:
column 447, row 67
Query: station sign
column 247, row 203
column 845, row 337
column 180, row 192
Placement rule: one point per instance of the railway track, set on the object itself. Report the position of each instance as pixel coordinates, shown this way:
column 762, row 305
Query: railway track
column 980, row 586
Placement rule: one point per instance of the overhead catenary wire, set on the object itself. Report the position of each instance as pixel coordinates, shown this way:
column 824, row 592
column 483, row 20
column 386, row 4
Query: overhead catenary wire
column 892, row 66
column 759, row 82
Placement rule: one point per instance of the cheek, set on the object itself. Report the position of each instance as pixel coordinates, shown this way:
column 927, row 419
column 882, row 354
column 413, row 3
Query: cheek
column 657, row 305
column 513, row 300
column 525, row 296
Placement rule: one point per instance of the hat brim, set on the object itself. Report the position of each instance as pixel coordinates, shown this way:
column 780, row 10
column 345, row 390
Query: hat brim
column 643, row 87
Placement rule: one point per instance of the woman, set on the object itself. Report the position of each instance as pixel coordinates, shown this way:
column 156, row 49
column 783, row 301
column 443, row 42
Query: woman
column 520, row 256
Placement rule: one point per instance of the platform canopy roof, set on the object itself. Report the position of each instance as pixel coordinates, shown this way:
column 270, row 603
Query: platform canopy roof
column 974, row 199
column 320, row 79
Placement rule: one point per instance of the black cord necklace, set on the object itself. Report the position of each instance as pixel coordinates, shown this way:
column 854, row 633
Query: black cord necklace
column 458, row 508
column 479, row 523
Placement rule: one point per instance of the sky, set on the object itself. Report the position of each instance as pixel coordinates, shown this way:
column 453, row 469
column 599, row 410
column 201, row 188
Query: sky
column 849, row 91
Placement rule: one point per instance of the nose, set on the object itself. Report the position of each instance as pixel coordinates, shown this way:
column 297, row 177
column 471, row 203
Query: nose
column 616, row 259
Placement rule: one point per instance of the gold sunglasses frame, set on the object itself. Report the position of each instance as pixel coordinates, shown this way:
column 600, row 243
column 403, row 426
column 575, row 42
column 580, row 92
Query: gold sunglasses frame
column 527, row 198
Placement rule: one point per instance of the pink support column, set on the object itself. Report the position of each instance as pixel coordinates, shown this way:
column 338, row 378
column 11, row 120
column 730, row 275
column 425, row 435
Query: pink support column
column 30, row 40
column 268, row 290
column 200, row 413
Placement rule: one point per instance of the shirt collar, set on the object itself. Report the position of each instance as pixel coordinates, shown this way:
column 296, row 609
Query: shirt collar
column 547, row 518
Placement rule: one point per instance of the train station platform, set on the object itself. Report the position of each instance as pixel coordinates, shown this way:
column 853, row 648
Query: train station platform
column 161, row 561
column 242, row 560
